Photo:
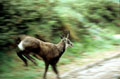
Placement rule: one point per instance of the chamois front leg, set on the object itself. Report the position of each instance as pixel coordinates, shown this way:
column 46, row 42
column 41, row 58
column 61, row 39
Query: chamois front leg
column 54, row 67
column 46, row 69
column 20, row 55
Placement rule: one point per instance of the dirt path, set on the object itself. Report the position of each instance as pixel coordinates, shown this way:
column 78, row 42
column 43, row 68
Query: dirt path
column 108, row 68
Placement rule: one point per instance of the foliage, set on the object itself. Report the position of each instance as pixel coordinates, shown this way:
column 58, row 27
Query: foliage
column 48, row 19
column 5, row 62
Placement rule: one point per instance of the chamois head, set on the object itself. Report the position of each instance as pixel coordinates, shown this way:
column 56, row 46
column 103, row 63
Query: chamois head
column 67, row 40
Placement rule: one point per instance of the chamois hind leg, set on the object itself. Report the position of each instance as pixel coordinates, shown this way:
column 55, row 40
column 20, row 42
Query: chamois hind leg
column 46, row 69
column 37, row 57
column 54, row 67
column 30, row 58
column 20, row 55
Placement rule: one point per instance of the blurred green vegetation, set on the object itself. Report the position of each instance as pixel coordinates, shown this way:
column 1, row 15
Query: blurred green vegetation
column 92, row 24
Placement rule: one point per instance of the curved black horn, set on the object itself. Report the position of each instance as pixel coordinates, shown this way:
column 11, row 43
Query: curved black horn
column 68, row 34
column 62, row 36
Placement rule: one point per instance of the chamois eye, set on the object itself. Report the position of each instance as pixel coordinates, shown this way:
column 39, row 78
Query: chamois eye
column 68, row 42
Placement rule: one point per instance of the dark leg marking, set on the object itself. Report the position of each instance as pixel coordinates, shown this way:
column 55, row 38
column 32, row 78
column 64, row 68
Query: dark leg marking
column 20, row 55
column 30, row 58
column 54, row 67
column 46, row 69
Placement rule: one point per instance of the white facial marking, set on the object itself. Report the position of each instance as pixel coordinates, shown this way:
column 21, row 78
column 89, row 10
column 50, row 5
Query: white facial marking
column 66, row 45
column 20, row 46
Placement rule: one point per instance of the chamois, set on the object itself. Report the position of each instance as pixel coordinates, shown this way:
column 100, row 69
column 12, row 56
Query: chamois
column 49, row 52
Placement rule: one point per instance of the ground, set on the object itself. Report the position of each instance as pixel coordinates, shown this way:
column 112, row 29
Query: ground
column 104, row 69
column 104, row 65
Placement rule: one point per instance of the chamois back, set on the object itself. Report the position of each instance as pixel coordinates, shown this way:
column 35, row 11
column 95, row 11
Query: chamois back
column 48, row 50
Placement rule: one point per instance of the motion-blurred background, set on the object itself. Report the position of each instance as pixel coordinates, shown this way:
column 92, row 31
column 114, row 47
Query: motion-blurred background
column 94, row 26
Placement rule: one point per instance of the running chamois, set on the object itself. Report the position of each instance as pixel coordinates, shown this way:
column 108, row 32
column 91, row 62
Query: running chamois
column 49, row 52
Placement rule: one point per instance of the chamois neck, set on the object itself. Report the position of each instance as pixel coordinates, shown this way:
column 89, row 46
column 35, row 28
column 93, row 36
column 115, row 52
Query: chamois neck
column 61, row 46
